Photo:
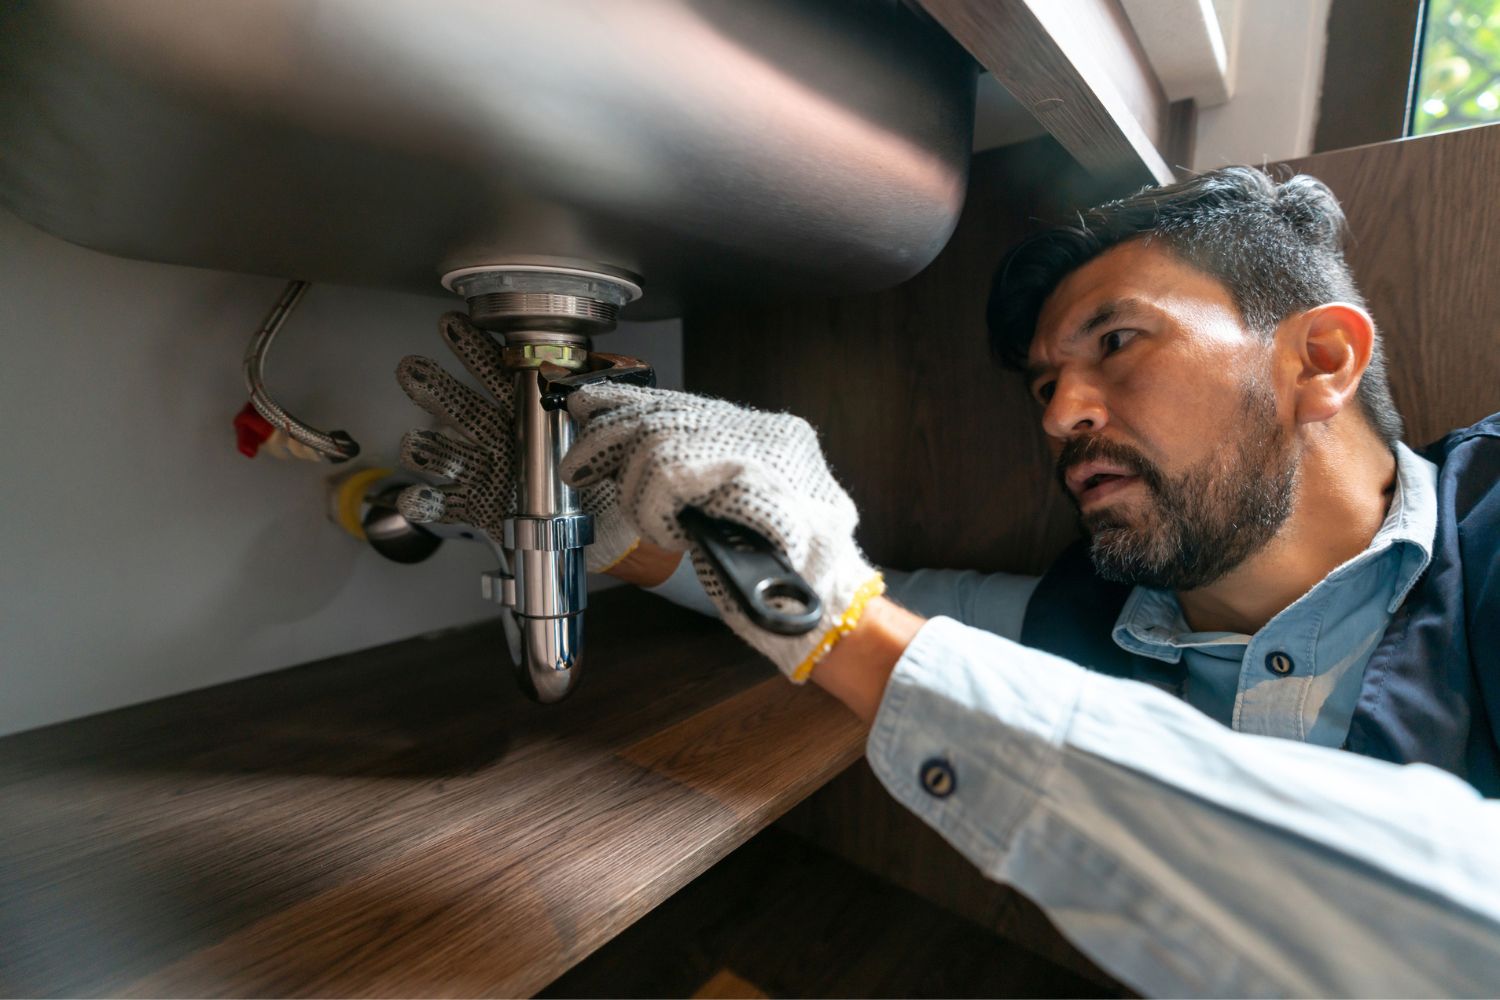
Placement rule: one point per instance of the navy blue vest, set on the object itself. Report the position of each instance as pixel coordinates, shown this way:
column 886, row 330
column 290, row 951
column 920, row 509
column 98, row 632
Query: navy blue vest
column 1431, row 690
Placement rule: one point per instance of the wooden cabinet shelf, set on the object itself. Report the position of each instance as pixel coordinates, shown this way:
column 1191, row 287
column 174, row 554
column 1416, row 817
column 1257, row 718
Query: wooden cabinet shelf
column 397, row 821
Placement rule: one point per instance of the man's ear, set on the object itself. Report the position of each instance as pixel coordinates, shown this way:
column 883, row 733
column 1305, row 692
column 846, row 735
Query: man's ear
column 1328, row 347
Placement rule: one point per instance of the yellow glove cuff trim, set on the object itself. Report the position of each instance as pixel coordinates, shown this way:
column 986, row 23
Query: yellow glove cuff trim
column 623, row 556
column 871, row 589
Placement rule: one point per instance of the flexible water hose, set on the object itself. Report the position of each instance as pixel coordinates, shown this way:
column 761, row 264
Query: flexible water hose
column 335, row 446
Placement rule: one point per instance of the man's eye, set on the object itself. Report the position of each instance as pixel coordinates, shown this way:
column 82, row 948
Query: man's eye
column 1116, row 339
column 1045, row 390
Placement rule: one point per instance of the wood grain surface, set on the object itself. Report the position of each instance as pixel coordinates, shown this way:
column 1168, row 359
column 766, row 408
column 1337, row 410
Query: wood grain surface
column 1424, row 216
column 783, row 918
column 854, row 817
column 1367, row 72
column 941, row 449
column 1081, row 72
column 399, row 821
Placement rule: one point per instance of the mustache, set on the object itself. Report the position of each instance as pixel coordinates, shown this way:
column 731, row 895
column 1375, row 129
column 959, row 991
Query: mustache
column 1094, row 448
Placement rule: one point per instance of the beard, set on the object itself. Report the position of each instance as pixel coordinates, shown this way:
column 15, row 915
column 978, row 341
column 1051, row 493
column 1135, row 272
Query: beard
column 1196, row 527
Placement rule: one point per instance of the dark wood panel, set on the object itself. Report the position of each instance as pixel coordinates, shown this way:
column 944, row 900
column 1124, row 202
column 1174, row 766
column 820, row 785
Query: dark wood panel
column 1079, row 69
column 1424, row 215
column 399, row 821
column 1367, row 70
column 1182, row 134
column 782, row 918
column 941, row 449
column 854, row 817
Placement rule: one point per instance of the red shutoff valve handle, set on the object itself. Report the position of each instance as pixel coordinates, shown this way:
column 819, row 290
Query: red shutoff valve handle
column 251, row 430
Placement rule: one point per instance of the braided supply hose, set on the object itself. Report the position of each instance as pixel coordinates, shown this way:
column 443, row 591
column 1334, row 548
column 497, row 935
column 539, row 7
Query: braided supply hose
column 333, row 446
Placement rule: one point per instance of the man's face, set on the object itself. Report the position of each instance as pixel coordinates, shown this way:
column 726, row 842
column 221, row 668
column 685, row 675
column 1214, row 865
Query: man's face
column 1161, row 409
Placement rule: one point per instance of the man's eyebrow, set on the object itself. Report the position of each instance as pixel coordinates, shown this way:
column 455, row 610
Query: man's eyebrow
column 1102, row 316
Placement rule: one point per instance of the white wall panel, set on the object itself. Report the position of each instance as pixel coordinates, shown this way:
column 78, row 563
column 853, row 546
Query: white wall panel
column 140, row 554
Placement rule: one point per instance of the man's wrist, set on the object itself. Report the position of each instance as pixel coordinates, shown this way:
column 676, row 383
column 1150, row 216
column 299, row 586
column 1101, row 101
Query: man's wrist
column 646, row 565
column 857, row 669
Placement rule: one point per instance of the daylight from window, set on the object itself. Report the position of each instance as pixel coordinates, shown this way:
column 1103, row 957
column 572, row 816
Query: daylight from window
column 1459, row 80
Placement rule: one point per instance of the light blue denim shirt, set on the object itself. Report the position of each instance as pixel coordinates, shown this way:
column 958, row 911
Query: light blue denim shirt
column 1184, row 857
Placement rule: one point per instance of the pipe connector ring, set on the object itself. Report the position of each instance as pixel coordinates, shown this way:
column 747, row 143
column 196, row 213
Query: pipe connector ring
column 549, row 534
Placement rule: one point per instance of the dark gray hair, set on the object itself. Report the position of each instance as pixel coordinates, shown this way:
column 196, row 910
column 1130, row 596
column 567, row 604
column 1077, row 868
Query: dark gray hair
column 1277, row 248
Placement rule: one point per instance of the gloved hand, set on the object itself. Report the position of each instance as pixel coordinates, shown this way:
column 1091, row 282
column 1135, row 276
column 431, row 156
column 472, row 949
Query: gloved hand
column 482, row 469
column 666, row 450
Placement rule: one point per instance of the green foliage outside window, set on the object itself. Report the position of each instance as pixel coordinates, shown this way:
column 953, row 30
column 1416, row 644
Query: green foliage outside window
column 1459, row 80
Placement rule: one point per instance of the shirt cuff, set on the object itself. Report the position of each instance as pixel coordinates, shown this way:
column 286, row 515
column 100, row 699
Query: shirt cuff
column 968, row 731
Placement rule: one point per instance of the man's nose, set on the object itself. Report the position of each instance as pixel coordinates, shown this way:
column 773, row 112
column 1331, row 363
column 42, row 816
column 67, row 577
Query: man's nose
column 1076, row 407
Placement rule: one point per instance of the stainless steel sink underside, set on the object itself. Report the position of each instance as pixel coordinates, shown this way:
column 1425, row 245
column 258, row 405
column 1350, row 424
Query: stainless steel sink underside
column 711, row 149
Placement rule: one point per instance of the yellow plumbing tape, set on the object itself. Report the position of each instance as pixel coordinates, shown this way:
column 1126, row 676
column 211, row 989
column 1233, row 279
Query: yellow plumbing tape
column 350, row 497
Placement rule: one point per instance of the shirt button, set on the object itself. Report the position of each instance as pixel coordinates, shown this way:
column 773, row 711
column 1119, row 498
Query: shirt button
column 937, row 778
column 1279, row 664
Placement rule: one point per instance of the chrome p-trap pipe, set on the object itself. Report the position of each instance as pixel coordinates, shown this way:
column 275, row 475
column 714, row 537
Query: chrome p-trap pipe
column 546, row 315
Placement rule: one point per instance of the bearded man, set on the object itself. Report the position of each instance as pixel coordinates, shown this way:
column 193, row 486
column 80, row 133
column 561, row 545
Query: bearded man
column 1264, row 558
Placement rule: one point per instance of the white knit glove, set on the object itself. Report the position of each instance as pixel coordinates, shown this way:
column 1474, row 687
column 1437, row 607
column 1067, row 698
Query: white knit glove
column 482, row 469
column 667, row 450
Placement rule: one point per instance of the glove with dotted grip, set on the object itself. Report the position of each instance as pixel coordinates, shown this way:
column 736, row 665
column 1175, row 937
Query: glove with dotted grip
column 480, row 467
column 666, row 450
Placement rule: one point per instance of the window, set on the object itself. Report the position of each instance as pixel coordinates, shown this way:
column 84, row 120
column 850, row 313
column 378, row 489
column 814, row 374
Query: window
column 1458, row 72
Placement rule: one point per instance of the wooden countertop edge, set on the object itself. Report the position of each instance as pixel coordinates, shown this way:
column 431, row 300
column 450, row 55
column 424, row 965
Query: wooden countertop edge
column 467, row 914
